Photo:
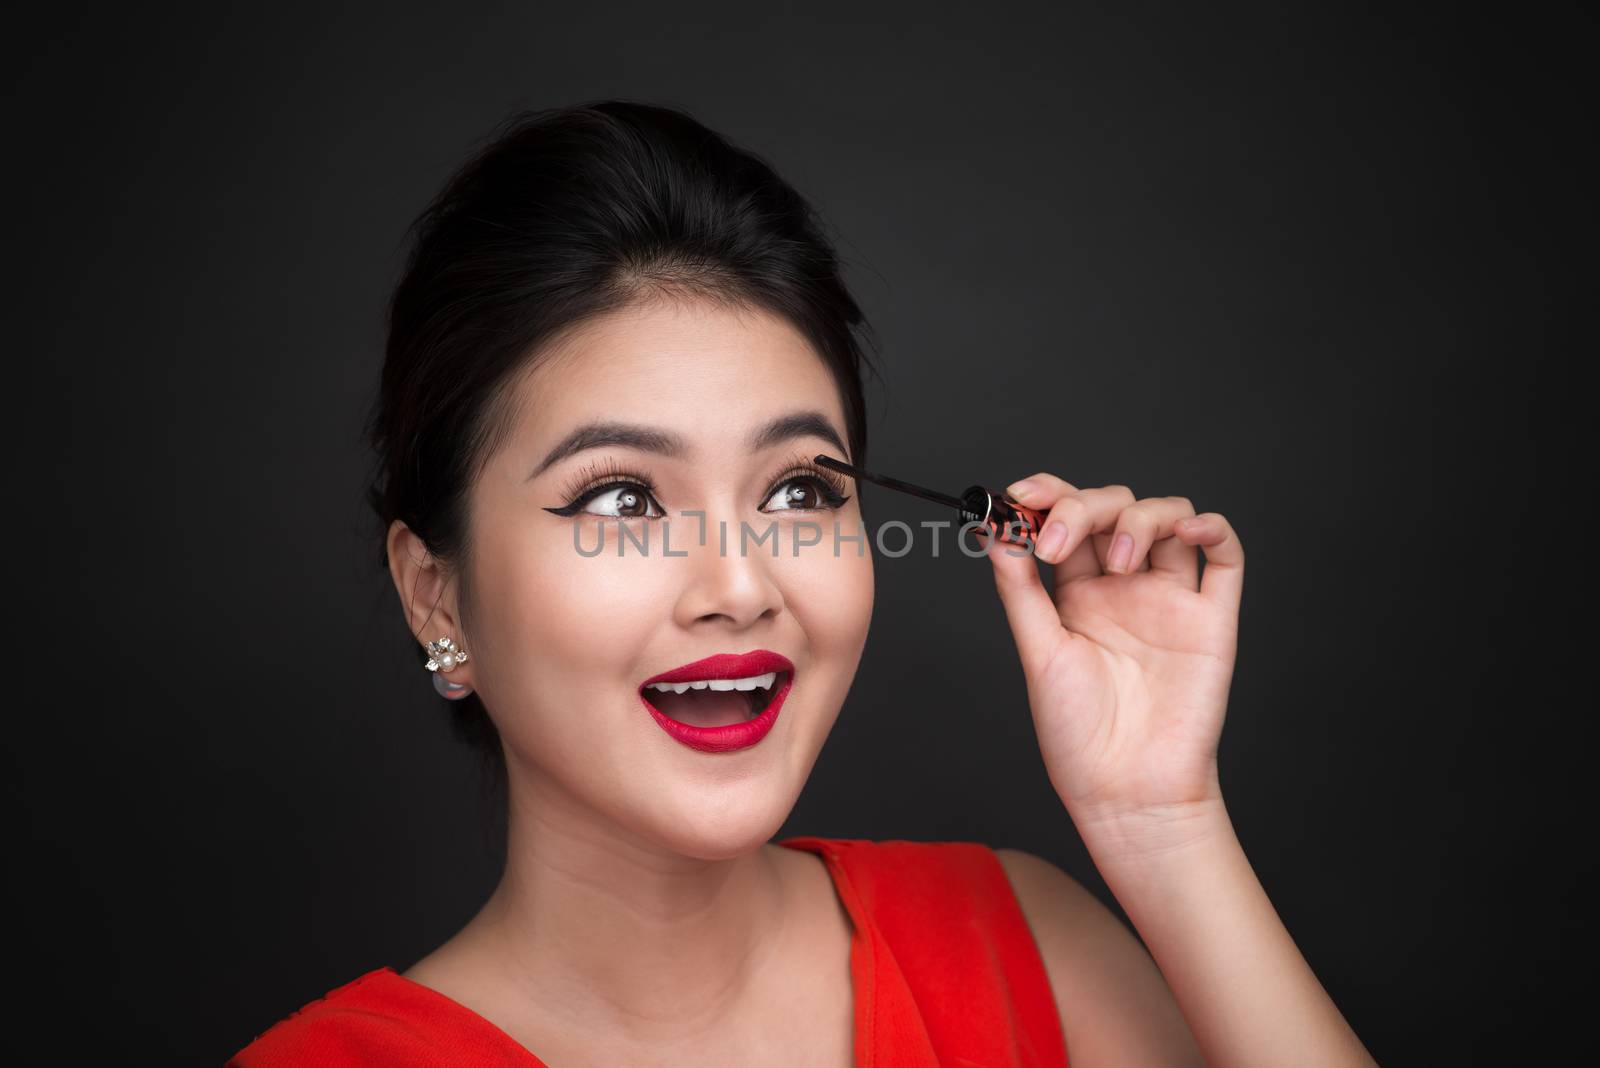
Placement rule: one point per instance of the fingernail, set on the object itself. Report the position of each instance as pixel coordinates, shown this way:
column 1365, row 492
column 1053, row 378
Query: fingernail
column 1051, row 539
column 1021, row 489
column 1121, row 553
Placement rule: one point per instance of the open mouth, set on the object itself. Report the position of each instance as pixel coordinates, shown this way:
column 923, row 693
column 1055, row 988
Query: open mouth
column 715, row 702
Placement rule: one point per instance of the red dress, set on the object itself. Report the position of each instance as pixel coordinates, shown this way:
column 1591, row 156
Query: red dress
column 944, row 968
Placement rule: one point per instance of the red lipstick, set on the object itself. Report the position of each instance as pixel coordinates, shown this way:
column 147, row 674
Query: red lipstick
column 730, row 736
column 993, row 510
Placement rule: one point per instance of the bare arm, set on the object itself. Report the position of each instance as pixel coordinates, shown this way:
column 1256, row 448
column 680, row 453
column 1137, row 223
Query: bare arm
column 1116, row 1009
column 1128, row 656
column 1247, row 993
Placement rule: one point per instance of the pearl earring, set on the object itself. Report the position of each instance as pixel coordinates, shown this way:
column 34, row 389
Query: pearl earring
column 443, row 656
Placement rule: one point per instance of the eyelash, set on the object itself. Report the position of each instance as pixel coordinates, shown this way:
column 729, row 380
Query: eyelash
column 598, row 478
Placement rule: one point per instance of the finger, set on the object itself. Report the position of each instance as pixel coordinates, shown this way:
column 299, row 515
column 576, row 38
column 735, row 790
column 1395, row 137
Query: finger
column 1072, row 518
column 1170, row 557
column 1223, row 579
column 1087, row 560
column 1044, row 491
column 1173, row 559
column 1102, row 549
column 1040, row 490
column 1087, row 515
column 1140, row 526
column 1030, row 610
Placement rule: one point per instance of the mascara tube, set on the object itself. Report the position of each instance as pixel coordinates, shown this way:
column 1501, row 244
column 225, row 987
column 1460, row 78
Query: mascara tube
column 992, row 510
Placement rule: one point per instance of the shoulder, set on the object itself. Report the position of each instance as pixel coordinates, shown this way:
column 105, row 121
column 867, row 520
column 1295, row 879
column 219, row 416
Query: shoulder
column 1115, row 1006
column 383, row 1018
column 374, row 1019
column 1043, row 889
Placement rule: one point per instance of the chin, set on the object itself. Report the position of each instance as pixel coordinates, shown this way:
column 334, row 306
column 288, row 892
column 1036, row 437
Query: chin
column 707, row 831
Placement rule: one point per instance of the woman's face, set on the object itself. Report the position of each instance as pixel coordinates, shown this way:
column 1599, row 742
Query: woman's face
column 561, row 642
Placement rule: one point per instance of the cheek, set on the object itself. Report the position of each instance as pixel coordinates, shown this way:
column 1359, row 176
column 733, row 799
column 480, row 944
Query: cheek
column 556, row 630
column 831, row 597
column 562, row 624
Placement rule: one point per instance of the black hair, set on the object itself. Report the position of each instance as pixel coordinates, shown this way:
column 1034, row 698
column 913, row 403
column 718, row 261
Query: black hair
column 565, row 215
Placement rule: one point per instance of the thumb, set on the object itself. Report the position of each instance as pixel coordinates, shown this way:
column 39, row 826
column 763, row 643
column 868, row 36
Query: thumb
column 1035, row 623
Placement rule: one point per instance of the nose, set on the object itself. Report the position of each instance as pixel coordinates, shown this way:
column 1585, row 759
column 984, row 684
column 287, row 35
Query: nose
column 724, row 584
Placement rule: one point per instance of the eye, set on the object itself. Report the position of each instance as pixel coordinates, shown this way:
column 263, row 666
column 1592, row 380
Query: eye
column 804, row 492
column 619, row 500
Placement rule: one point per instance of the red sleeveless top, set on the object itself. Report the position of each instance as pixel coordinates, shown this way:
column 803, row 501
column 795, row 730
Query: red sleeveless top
column 944, row 969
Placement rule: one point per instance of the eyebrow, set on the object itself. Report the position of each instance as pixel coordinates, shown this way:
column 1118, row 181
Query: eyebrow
column 597, row 435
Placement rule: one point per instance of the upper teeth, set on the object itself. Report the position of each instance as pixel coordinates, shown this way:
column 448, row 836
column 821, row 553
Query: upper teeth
column 754, row 682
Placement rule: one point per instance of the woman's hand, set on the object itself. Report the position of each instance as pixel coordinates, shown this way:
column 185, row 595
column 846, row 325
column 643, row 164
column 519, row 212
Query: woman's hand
column 1128, row 657
column 1128, row 654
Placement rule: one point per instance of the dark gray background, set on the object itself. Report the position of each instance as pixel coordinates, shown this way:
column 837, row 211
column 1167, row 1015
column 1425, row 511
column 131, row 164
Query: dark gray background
column 1307, row 269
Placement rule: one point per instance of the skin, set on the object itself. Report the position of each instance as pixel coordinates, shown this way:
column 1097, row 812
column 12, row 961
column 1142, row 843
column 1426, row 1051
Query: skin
column 1128, row 654
column 643, row 916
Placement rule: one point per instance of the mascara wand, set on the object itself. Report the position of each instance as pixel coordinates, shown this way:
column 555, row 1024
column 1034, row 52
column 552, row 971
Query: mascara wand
column 993, row 510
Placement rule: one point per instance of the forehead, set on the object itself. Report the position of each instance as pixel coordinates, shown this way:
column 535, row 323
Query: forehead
column 707, row 371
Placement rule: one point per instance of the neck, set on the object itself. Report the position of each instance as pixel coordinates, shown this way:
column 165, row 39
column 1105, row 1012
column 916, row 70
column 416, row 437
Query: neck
column 591, row 923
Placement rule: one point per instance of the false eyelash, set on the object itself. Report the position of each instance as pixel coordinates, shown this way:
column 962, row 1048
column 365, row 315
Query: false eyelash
column 596, row 477
column 832, row 482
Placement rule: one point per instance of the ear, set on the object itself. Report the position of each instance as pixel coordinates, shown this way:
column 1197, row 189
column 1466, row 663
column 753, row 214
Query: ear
column 427, row 594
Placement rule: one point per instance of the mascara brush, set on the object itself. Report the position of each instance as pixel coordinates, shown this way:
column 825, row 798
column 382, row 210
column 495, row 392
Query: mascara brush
column 993, row 510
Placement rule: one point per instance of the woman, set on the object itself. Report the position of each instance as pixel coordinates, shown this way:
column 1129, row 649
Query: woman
column 616, row 324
